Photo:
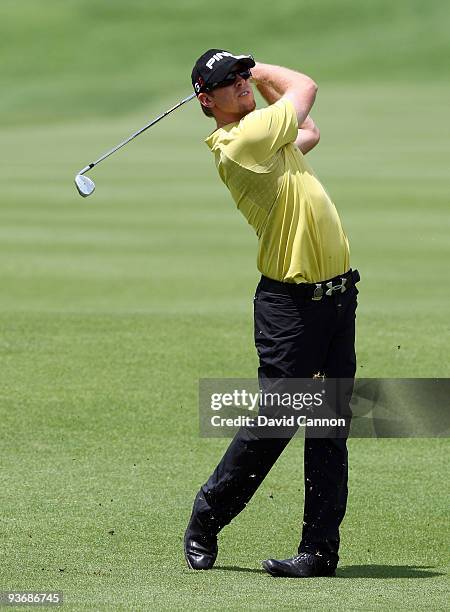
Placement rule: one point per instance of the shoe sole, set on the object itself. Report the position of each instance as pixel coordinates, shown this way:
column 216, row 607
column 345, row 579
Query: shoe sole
column 187, row 558
column 275, row 574
column 187, row 561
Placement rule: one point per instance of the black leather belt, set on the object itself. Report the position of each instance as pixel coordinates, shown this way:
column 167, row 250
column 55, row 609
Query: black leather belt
column 313, row 291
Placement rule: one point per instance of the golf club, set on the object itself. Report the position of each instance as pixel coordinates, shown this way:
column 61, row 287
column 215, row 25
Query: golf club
column 86, row 185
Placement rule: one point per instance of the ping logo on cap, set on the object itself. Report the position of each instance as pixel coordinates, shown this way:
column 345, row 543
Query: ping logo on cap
column 217, row 57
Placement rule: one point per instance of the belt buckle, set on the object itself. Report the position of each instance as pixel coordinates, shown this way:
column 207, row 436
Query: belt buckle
column 318, row 292
column 332, row 288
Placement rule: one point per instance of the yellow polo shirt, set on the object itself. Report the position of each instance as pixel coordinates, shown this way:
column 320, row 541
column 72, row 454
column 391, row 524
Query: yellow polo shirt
column 299, row 231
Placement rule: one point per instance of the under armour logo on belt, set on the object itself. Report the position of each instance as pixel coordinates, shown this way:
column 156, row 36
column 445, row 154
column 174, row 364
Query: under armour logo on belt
column 318, row 289
column 332, row 288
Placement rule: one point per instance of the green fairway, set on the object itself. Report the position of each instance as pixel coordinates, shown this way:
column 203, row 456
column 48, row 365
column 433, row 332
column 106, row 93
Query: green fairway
column 113, row 307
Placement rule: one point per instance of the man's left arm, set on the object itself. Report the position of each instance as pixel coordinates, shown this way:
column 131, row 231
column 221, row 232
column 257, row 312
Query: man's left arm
column 308, row 133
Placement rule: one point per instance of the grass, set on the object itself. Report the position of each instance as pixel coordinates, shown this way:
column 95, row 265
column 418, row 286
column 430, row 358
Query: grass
column 87, row 58
column 113, row 307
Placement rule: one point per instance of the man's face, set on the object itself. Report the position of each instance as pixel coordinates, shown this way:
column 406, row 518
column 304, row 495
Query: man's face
column 233, row 102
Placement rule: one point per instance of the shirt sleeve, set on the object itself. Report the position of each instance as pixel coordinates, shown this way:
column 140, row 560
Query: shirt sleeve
column 264, row 132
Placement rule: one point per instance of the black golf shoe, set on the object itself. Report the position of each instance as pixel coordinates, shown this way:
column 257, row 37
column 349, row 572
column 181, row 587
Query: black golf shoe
column 200, row 551
column 200, row 539
column 200, row 545
column 304, row 565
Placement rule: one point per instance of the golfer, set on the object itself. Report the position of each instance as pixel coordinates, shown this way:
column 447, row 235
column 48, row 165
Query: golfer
column 305, row 302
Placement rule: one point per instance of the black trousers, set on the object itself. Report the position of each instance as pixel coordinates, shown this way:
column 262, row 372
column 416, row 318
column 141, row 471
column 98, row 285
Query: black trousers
column 296, row 337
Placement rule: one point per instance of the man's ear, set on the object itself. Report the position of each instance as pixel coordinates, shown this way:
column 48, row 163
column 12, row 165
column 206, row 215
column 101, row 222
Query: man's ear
column 205, row 100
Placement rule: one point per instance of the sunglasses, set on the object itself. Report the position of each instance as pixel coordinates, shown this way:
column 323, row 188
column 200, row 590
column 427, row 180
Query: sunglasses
column 229, row 80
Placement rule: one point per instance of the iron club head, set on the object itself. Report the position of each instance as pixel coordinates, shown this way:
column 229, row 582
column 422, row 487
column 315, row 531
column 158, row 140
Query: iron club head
column 85, row 185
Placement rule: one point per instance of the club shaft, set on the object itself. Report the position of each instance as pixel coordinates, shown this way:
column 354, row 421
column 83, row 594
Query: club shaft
column 127, row 140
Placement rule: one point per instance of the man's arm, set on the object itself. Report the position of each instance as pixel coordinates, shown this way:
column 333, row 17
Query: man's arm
column 308, row 136
column 308, row 133
column 274, row 81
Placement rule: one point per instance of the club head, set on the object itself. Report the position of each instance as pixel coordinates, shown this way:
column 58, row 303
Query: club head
column 85, row 185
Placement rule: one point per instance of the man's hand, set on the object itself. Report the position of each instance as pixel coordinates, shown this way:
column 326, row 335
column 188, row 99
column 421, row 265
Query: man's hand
column 267, row 91
column 275, row 82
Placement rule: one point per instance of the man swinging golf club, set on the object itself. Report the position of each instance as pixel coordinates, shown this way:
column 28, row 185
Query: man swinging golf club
column 304, row 305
